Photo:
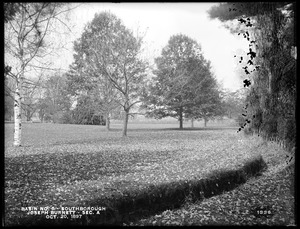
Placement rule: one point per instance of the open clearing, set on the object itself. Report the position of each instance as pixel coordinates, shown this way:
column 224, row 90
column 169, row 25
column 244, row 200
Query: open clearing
column 66, row 164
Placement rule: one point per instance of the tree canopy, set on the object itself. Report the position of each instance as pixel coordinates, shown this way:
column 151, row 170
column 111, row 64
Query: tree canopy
column 272, row 95
column 107, row 55
column 183, row 85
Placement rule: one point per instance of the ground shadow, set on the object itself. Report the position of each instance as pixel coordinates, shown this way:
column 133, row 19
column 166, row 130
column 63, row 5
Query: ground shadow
column 175, row 129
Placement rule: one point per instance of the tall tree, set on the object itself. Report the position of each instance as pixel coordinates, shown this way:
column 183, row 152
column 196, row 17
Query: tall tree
column 181, row 80
column 27, row 25
column 205, row 96
column 272, row 94
column 107, row 50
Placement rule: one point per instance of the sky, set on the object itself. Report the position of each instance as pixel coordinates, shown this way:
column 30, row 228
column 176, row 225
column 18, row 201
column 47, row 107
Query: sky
column 159, row 21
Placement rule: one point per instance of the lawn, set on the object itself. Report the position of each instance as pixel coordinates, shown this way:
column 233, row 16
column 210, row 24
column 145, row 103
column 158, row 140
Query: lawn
column 68, row 165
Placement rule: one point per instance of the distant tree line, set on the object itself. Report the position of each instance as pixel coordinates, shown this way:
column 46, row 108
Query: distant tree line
column 109, row 77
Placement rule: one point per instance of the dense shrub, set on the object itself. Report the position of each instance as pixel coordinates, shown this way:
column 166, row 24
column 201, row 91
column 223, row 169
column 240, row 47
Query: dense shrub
column 254, row 167
column 47, row 118
column 98, row 120
column 67, row 118
column 86, row 112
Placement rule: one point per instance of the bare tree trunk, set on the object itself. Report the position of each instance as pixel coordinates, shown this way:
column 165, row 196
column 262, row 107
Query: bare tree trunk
column 17, row 113
column 192, row 122
column 28, row 115
column 205, row 121
column 41, row 116
column 107, row 122
column 124, row 133
column 180, row 118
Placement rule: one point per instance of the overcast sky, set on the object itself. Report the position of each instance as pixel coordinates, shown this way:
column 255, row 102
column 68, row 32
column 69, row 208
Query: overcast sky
column 162, row 20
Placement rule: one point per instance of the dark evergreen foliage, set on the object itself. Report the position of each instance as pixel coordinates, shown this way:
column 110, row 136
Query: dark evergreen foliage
column 86, row 112
column 272, row 95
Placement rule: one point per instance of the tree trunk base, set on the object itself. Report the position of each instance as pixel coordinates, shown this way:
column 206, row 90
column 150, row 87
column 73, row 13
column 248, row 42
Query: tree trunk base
column 125, row 123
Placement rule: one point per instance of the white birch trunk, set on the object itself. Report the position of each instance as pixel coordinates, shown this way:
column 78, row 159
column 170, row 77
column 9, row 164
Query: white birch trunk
column 17, row 114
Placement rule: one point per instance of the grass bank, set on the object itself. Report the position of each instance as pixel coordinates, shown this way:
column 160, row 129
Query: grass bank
column 69, row 165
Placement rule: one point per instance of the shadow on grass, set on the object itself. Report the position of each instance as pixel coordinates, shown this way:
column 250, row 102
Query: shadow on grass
column 201, row 128
column 175, row 129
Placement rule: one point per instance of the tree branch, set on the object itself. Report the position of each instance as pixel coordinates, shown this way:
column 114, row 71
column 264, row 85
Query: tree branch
column 134, row 103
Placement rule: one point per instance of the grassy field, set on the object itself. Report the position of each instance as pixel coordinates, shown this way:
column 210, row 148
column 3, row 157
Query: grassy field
column 63, row 165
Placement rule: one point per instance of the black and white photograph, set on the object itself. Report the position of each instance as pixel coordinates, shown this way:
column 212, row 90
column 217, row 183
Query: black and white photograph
column 149, row 114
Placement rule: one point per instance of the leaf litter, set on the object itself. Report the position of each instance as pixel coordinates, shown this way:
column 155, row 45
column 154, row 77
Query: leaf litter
column 71, row 167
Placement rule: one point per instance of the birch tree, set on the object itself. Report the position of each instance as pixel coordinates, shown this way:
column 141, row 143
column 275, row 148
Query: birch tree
column 26, row 29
